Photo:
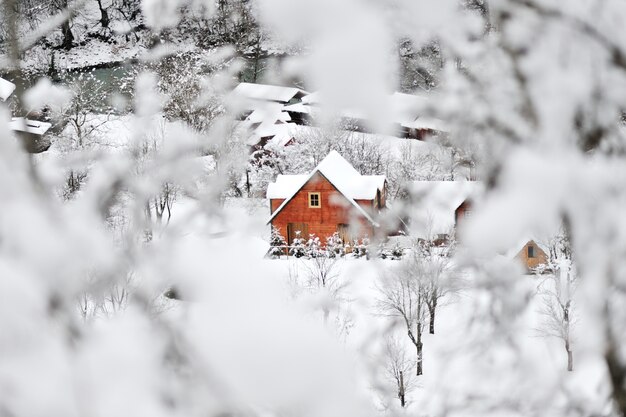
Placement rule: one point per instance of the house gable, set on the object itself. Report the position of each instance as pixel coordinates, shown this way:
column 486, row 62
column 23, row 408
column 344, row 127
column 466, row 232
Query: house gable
column 345, row 179
column 532, row 255
column 335, row 212
column 331, row 199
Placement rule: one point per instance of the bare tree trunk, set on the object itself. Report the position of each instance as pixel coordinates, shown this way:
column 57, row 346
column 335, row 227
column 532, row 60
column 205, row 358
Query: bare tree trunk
column 432, row 310
column 401, row 390
column 257, row 53
column 570, row 356
column 568, row 348
column 68, row 37
column 419, row 347
column 617, row 373
column 104, row 15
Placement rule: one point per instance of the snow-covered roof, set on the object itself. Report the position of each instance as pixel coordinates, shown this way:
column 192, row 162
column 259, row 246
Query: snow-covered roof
column 29, row 126
column 6, row 89
column 281, row 138
column 406, row 107
column 429, row 123
column 267, row 92
column 435, row 203
column 521, row 243
column 268, row 112
column 279, row 132
column 312, row 98
column 285, row 185
column 301, row 108
column 347, row 180
column 268, row 120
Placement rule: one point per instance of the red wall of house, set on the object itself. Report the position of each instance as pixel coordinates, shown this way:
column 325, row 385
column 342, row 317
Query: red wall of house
column 275, row 203
column 335, row 209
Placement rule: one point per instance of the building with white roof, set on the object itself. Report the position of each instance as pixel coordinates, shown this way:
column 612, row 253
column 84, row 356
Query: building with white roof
column 31, row 132
column 268, row 93
column 437, row 206
column 333, row 197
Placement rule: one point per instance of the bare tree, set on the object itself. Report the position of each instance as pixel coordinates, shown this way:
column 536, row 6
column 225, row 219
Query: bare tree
column 81, row 124
column 104, row 15
column 60, row 6
column 162, row 201
column 403, row 294
column 557, row 293
column 399, row 369
column 411, row 165
column 441, row 277
column 183, row 81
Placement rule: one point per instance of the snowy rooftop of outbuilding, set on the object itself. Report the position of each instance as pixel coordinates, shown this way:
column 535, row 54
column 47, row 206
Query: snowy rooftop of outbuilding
column 301, row 108
column 29, row 126
column 267, row 92
column 405, row 109
column 271, row 112
column 279, row 132
column 347, row 180
column 434, row 204
column 6, row 89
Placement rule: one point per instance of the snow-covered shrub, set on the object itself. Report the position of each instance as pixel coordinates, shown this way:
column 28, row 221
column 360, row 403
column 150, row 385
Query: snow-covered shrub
column 298, row 247
column 277, row 243
column 397, row 251
column 334, row 246
column 360, row 248
column 381, row 251
column 314, row 247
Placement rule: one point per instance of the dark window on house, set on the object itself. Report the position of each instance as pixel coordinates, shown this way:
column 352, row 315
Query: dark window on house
column 531, row 251
column 314, row 200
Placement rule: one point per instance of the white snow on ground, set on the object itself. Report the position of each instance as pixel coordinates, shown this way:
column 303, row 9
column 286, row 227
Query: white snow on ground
column 359, row 323
column 97, row 52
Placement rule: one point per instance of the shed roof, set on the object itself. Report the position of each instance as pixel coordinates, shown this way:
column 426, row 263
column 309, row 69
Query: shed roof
column 405, row 109
column 6, row 89
column 347, row 180
column 29, row 126
column 436, row 202
column 267, row 92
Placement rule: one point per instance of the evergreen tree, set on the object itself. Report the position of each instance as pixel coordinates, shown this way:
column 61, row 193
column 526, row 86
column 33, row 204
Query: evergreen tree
column 298, row 248
column 277, row 243
column 314, row 247
column 334, row 246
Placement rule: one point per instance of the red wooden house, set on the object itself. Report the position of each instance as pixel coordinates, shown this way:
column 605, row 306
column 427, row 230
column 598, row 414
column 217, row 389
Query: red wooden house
column 334, row 197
